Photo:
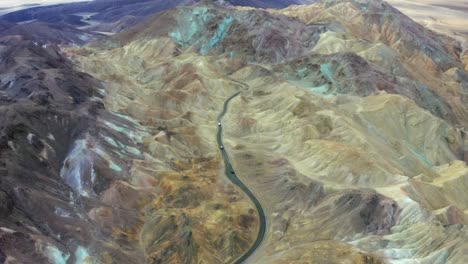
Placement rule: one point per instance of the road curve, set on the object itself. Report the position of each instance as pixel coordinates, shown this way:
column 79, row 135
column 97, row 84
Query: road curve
column 230, row 173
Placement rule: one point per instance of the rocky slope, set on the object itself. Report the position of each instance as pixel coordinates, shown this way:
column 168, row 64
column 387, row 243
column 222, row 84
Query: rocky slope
column 350, row 128
column 43, row 33
column 117, row 15
column 441, row 16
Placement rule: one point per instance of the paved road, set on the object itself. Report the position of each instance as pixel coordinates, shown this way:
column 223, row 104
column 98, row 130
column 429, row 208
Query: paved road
column 230, row 173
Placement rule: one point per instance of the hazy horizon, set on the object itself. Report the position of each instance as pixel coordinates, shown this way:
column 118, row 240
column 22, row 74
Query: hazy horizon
column 16, row 3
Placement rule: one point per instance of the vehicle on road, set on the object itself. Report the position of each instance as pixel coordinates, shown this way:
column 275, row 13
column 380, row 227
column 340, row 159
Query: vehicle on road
column 235, row 180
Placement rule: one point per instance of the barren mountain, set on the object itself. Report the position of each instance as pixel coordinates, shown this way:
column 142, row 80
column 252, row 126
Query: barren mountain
column 338, row 128
column 46, row 33
column 109, row 12
column 446, row 17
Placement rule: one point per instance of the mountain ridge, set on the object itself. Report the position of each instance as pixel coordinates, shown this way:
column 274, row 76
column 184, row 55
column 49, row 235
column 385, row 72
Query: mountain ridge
column 349, row 129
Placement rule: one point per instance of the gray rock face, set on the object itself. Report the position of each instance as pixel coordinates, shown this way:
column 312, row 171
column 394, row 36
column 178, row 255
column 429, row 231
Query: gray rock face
column 53, row 160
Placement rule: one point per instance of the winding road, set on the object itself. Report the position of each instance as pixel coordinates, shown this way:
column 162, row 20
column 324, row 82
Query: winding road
column 230, row 173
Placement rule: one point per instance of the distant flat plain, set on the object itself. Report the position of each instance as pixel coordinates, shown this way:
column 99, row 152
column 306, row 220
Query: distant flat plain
column 7, row 6
column 448, row 17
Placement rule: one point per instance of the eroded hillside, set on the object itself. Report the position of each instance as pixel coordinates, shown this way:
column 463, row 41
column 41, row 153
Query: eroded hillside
column 350, row 129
